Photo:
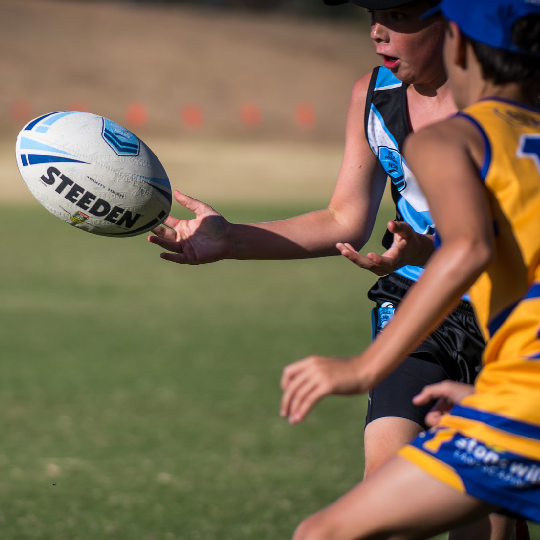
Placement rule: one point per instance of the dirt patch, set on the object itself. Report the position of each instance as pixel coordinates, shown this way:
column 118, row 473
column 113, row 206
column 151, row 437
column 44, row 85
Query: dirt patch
column 58, row 55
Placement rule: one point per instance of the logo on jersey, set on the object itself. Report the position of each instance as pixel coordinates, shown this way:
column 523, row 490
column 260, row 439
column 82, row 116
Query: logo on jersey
column 391, row 161
column 384, row 314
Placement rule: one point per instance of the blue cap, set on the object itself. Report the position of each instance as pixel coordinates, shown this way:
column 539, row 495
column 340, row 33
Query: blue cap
column 487, row 21
column 370, row 4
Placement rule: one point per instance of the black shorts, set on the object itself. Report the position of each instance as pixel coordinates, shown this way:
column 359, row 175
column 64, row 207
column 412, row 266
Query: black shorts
column 453, row 351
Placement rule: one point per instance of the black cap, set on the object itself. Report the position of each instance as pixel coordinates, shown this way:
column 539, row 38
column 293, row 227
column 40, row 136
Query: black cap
column 370, row 4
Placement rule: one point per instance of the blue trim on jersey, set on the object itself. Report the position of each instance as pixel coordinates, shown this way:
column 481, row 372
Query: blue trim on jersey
column 386, row 78
column 511, row 102
column 487, row 145
column 500, row 319
column 378, row 115
column 515, row 427
column 437, row 240
column 419, row 224
column 410, row 272
column 533, row 292
column 414, row 218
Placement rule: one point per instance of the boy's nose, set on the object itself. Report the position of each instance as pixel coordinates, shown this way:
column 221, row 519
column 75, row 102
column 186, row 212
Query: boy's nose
column 378, row 32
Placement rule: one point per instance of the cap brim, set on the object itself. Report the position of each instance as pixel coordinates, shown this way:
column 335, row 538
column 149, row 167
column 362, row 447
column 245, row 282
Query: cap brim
column 370, row 4
column 430, row 12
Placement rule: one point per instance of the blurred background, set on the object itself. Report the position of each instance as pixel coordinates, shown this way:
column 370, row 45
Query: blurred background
column 139, row 399
column 199, row 72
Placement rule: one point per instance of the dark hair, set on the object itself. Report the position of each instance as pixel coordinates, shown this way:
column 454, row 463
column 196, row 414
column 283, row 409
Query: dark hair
column 501, row 66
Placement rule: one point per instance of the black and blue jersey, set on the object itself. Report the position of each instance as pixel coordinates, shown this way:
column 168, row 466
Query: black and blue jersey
column 387, row 125
column 454, row 350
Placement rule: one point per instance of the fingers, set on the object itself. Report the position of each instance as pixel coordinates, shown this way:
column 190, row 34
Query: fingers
column 345, row 246
column 440, row 391
column 350, row 253
column 194, row 205
column 179, row 258
column 171, row 225
column 304, row 402
column 298, row 398
column 451, row 390
column 170, row 244
column 169, row 231
column 182, row 251
column 429, row 393
column 377, row 264
column 433, row 417
column 302, row 389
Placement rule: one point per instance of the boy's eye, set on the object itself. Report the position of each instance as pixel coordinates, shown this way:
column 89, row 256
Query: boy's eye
column 397, row 15
column 384, row 16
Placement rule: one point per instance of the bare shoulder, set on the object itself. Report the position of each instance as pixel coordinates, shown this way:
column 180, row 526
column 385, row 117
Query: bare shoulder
column 451, row 137
column 360, row 90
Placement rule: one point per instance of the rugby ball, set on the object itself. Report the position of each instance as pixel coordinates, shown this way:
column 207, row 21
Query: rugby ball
column 93, row 174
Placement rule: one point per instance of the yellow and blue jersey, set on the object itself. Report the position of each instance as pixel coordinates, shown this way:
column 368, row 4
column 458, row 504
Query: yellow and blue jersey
column 489, row 444
column 506, row 297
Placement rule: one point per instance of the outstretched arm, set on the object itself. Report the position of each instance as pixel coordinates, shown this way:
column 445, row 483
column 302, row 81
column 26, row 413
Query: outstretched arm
column 349, row 217
column 457, row 201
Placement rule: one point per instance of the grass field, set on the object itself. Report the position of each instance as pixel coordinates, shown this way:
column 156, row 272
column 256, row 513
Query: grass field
column 140, row 399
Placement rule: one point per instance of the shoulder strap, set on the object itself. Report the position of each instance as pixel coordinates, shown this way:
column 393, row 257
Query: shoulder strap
column 369, row 98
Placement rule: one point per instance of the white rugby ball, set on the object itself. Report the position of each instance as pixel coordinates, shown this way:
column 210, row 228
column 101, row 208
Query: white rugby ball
column 93, row 174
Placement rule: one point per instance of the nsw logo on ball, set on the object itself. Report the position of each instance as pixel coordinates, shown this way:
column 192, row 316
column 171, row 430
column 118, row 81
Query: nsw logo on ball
column 122, row 141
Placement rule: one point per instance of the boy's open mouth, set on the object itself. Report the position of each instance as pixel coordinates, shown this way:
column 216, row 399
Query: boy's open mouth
column 390, row 62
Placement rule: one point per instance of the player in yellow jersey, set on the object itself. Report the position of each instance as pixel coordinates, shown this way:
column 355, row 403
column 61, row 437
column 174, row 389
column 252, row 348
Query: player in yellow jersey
column 480, row 172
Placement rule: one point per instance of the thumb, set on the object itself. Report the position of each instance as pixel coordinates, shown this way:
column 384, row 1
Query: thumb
column 194, row 205
column 401, row 228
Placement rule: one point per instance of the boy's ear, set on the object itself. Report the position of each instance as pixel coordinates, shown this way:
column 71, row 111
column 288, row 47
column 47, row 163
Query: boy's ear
column 459, row 45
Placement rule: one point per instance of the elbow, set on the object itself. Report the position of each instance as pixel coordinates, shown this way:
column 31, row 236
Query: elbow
column 349, row 229
column 473, row 254
column 486, row 255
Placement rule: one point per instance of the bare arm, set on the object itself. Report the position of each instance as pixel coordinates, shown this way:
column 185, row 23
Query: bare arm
column 349, row 216
column 457, row 201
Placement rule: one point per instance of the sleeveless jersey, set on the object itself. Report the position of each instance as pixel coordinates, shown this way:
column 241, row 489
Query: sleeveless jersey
column 386, row 127
column 505, row 410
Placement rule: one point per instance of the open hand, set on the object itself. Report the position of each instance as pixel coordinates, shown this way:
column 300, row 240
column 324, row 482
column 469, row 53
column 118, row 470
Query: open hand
column 408, row 247
column 203, row 239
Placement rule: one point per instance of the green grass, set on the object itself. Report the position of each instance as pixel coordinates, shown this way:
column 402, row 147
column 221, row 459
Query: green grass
column 139, row 399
